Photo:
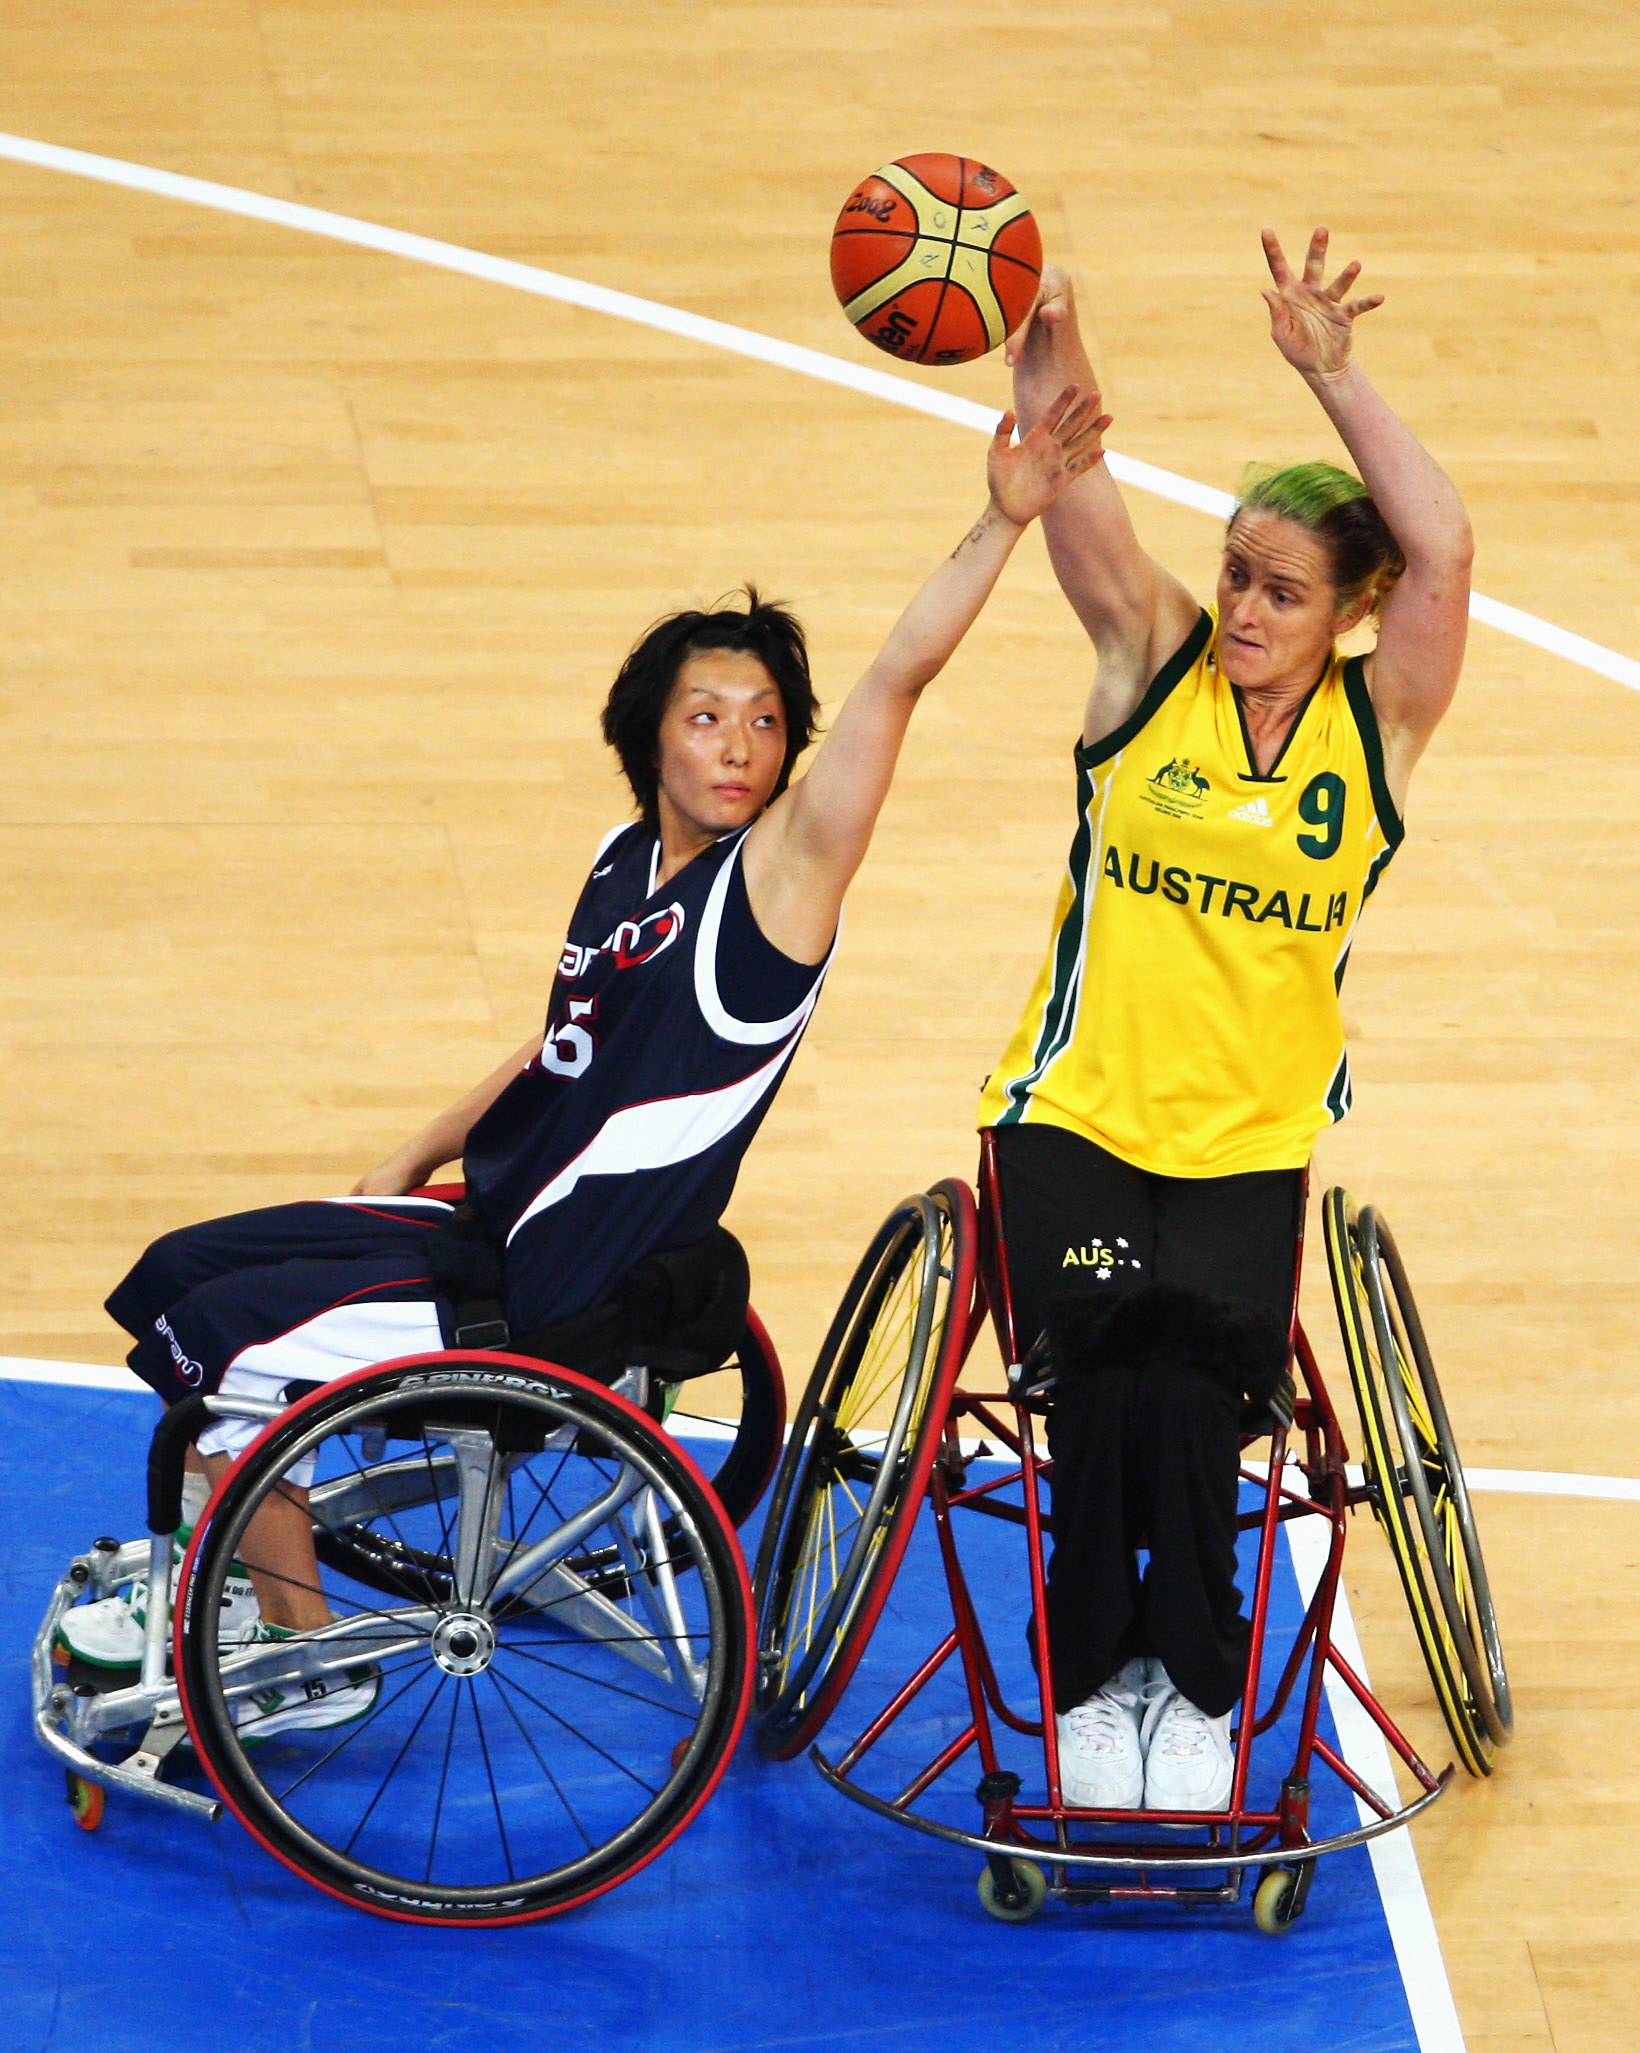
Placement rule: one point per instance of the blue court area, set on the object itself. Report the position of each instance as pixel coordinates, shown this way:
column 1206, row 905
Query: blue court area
column 785, row 1917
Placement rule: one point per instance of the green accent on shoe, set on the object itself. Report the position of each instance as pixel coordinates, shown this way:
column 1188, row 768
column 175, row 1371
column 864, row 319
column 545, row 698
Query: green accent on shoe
column 279, row 1698
column 134, row 1596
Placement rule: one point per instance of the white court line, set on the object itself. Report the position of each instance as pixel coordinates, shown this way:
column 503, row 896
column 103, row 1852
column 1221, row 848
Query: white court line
column 1525, row 1482
column 767, row 349
column 80, row 1375
column 1519, row 1482
column 1394, row 1857
column 1529, row 1482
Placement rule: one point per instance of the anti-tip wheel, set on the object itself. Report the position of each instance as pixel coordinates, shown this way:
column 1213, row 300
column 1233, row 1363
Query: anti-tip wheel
column 1030, row 1891
column 86, row 1801
column 1277, row 1904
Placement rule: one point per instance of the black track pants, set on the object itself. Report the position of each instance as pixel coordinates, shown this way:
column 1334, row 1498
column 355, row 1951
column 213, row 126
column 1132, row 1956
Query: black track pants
column 1160, row 1291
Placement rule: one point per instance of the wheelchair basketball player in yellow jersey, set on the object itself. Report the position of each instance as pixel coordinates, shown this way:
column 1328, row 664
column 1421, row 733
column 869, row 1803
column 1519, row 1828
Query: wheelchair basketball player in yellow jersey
column 1240, row 789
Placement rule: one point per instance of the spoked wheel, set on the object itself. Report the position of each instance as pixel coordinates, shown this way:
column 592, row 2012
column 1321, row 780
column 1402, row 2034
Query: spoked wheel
column 1411, row 1464
column 856, row 1466
column 737, row 1456
column 738, row 1463
column 548, row 1695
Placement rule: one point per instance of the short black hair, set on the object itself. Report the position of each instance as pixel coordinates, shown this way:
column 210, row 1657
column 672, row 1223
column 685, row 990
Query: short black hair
column 739, row 621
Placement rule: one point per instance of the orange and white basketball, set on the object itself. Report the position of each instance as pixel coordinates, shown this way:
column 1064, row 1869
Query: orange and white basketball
column 935, row 258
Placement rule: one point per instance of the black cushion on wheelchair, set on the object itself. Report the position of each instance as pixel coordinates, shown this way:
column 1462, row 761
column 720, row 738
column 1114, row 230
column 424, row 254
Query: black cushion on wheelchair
column 590, row 1343
column 685, row 1310
column 680, row 1313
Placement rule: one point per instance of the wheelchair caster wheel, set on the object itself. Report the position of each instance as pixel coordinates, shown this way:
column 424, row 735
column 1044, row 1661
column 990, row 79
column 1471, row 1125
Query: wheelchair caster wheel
column 1017, row 1899
column 86, row 1800
column 1278, row 1901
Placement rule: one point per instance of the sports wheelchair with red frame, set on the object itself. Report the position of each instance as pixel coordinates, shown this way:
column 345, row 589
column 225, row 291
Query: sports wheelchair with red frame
column 544, row 1587
column 880, row 1432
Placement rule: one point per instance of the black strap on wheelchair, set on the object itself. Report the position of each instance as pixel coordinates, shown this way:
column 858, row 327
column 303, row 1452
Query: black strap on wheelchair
column 680, row 1313
column 167, row 1454
column 469, row 1268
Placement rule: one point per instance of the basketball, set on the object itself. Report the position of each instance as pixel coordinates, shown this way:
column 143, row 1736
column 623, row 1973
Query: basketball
column 935, row 258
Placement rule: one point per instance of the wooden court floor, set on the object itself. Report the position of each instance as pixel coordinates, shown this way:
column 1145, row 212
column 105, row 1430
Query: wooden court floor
column 316, row 565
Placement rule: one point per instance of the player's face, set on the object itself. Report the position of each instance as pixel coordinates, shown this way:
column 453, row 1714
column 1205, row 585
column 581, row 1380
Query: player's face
column 722, row 742
column 1278, row 610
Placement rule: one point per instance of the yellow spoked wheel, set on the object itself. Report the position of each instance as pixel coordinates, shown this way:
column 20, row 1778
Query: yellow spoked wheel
column 1419, row 1496
column 857, row 1463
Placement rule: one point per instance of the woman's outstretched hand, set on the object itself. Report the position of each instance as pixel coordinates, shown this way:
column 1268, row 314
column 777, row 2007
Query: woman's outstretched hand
column 1027, row 477
column 1311, row 323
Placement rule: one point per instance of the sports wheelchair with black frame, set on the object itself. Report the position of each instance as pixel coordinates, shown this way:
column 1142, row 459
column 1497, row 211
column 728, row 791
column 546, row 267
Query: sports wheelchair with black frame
column 543, row 1585
column 879, row 1434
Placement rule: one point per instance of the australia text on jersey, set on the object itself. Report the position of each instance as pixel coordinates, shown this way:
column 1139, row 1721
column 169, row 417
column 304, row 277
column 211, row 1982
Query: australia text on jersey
column 1177, row 886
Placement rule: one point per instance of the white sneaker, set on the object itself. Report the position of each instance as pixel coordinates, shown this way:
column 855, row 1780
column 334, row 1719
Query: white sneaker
column 1101, row 1766
column 1189, row 1762
column 109, row 1633
column 308, row 1706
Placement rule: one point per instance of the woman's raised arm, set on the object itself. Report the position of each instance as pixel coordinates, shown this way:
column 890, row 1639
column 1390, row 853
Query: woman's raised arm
column 1135, row 612
column 803, row 852
column 1413, row 673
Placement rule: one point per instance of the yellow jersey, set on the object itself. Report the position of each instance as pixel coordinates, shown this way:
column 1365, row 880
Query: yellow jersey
column 1187, row 1017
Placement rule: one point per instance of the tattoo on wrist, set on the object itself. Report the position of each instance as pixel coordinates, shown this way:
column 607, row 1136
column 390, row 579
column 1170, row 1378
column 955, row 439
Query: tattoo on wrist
column 975, row 534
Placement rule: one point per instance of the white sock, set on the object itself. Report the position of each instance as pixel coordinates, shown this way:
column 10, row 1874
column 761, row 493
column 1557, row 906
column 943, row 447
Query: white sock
column 196, row 1494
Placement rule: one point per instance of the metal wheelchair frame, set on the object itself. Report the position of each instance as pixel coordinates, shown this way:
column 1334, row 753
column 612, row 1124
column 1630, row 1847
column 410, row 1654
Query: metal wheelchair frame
column 1110, row 1856
column 608, row 1554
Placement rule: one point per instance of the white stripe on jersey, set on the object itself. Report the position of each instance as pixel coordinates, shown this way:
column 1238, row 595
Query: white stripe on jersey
column 598, row 852
column 663, row 1132
column 743, row 1033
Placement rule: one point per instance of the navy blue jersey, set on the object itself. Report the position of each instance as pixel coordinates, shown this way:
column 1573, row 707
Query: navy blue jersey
column 671, row 1024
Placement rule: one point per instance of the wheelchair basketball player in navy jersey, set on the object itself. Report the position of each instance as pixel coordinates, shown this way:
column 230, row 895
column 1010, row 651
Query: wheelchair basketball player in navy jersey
column 611, row 1140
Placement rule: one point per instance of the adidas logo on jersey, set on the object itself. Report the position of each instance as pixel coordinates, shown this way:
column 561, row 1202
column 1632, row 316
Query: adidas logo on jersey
column 1255, row 812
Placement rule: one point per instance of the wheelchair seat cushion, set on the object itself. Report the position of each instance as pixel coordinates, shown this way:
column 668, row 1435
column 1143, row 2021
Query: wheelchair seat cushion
column 680, row 1313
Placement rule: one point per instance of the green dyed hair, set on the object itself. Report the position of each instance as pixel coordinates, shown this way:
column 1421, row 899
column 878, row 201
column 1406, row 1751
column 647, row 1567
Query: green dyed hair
column 1335, row 507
